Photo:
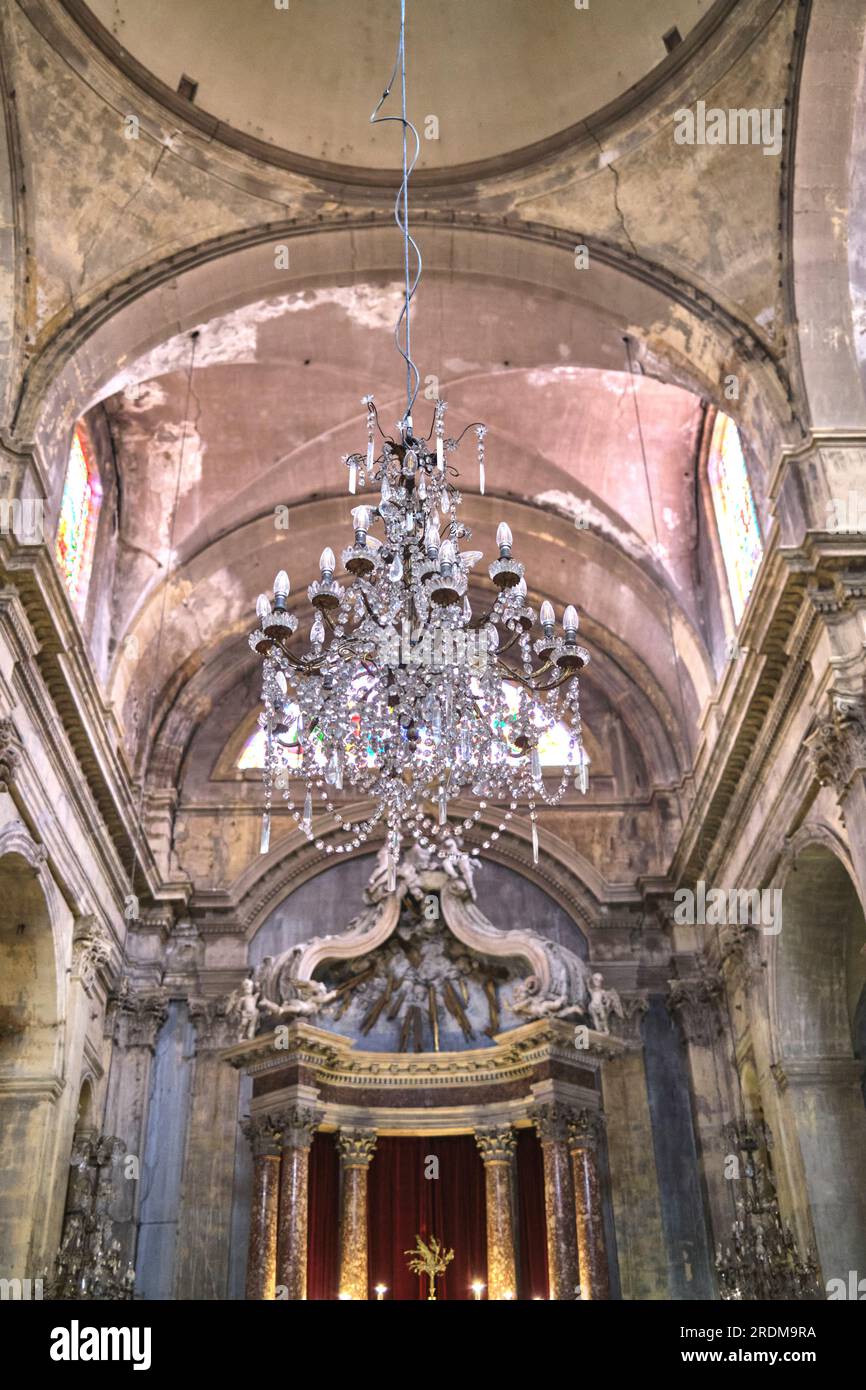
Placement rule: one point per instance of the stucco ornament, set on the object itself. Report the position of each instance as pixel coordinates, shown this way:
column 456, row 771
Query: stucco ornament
column 602, row 1003
column 565, row 992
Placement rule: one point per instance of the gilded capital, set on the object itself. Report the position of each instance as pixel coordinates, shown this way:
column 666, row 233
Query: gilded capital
column 356, row 1147
column 496, row 1145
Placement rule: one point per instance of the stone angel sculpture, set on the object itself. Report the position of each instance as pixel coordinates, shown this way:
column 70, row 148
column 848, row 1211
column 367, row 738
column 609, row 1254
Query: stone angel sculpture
column 244, row 1007
column 301, row 999
column 567, row 992
column 602, row 1003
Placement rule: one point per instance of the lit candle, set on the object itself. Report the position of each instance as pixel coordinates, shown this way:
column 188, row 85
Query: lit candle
column 477, row 1289
column 380, row 1291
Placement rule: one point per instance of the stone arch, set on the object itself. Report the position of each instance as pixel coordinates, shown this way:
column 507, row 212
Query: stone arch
column 818, row 974
column 32, row 1017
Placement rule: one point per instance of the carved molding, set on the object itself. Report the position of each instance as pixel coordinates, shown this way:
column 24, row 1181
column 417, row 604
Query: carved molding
column 837, row 746
column 10, row 754
column 92, row 952
column 695, row 1003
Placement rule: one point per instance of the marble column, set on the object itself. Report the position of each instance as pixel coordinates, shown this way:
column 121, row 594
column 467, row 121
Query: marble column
column 498, row 1148
column 584, row 1133
column 266, row 1143
column 297, row 1125
column 356, row 1148
column 552, row 1120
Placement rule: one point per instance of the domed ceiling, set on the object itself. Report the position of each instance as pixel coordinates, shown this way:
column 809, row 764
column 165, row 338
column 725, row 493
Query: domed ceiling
column 304, row 78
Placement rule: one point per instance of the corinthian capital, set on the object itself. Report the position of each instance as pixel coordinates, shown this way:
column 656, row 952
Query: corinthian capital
column 496, row 1145
column 297, row 1125
column 137, row 1015
column 837, row 746
column 585, row 1129
column 263, row 1135
column 356, row 1147
column 552, row 1121
column 696, row 1004
column 215, row 1027
column 10, row 754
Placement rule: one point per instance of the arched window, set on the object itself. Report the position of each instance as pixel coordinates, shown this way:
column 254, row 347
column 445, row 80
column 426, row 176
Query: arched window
column 554, row 746
column 79, row 515
column 734, row 507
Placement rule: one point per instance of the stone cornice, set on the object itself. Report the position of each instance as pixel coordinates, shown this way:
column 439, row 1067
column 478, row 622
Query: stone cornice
column 730, row 776
column 332, row 1059
column 56, row 679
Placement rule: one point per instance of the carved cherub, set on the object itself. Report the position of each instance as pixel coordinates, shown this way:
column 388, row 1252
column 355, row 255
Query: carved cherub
column 309, row 996
column 527, row 999
column 602, row 1002
column 244, row 1005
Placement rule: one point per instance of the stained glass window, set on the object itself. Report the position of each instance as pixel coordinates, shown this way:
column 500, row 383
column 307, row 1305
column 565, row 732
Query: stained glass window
column 734, row 506
column 79, row 513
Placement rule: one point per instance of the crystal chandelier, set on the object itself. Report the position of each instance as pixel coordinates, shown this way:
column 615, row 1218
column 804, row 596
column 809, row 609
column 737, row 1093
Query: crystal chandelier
column 405, row 692
column 762, row 1260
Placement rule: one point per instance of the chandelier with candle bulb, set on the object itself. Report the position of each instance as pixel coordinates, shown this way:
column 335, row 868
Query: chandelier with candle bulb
column 408, row 691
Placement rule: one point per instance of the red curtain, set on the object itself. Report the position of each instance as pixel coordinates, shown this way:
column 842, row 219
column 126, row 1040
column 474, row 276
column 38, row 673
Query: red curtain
column 531, row 1229
column 403, row 1204
column 323, row 1234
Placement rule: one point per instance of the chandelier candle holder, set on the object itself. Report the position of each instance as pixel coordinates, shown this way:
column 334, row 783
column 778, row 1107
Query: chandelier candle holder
column 399, row 690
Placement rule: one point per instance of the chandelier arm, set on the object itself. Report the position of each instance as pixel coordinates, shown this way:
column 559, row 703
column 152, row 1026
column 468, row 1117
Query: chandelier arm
column 516, row 676
column 476, row 425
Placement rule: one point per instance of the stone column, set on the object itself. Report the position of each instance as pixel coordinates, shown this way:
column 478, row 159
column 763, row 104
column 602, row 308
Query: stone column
column 265, row 1142
column 697, row 1005
column 551, row 1120
column 133, row 1022
column 356, row 1150
column 204, row 1221
column 584, row 1134
column 297, row 1125
column 498, row 1147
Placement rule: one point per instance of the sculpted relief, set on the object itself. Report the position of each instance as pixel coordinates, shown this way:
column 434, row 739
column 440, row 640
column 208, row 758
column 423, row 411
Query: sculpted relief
column 423, row 969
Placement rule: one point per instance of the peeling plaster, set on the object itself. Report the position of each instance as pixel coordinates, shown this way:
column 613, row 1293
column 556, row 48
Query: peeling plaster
column 234, row 337
column 585, row 512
